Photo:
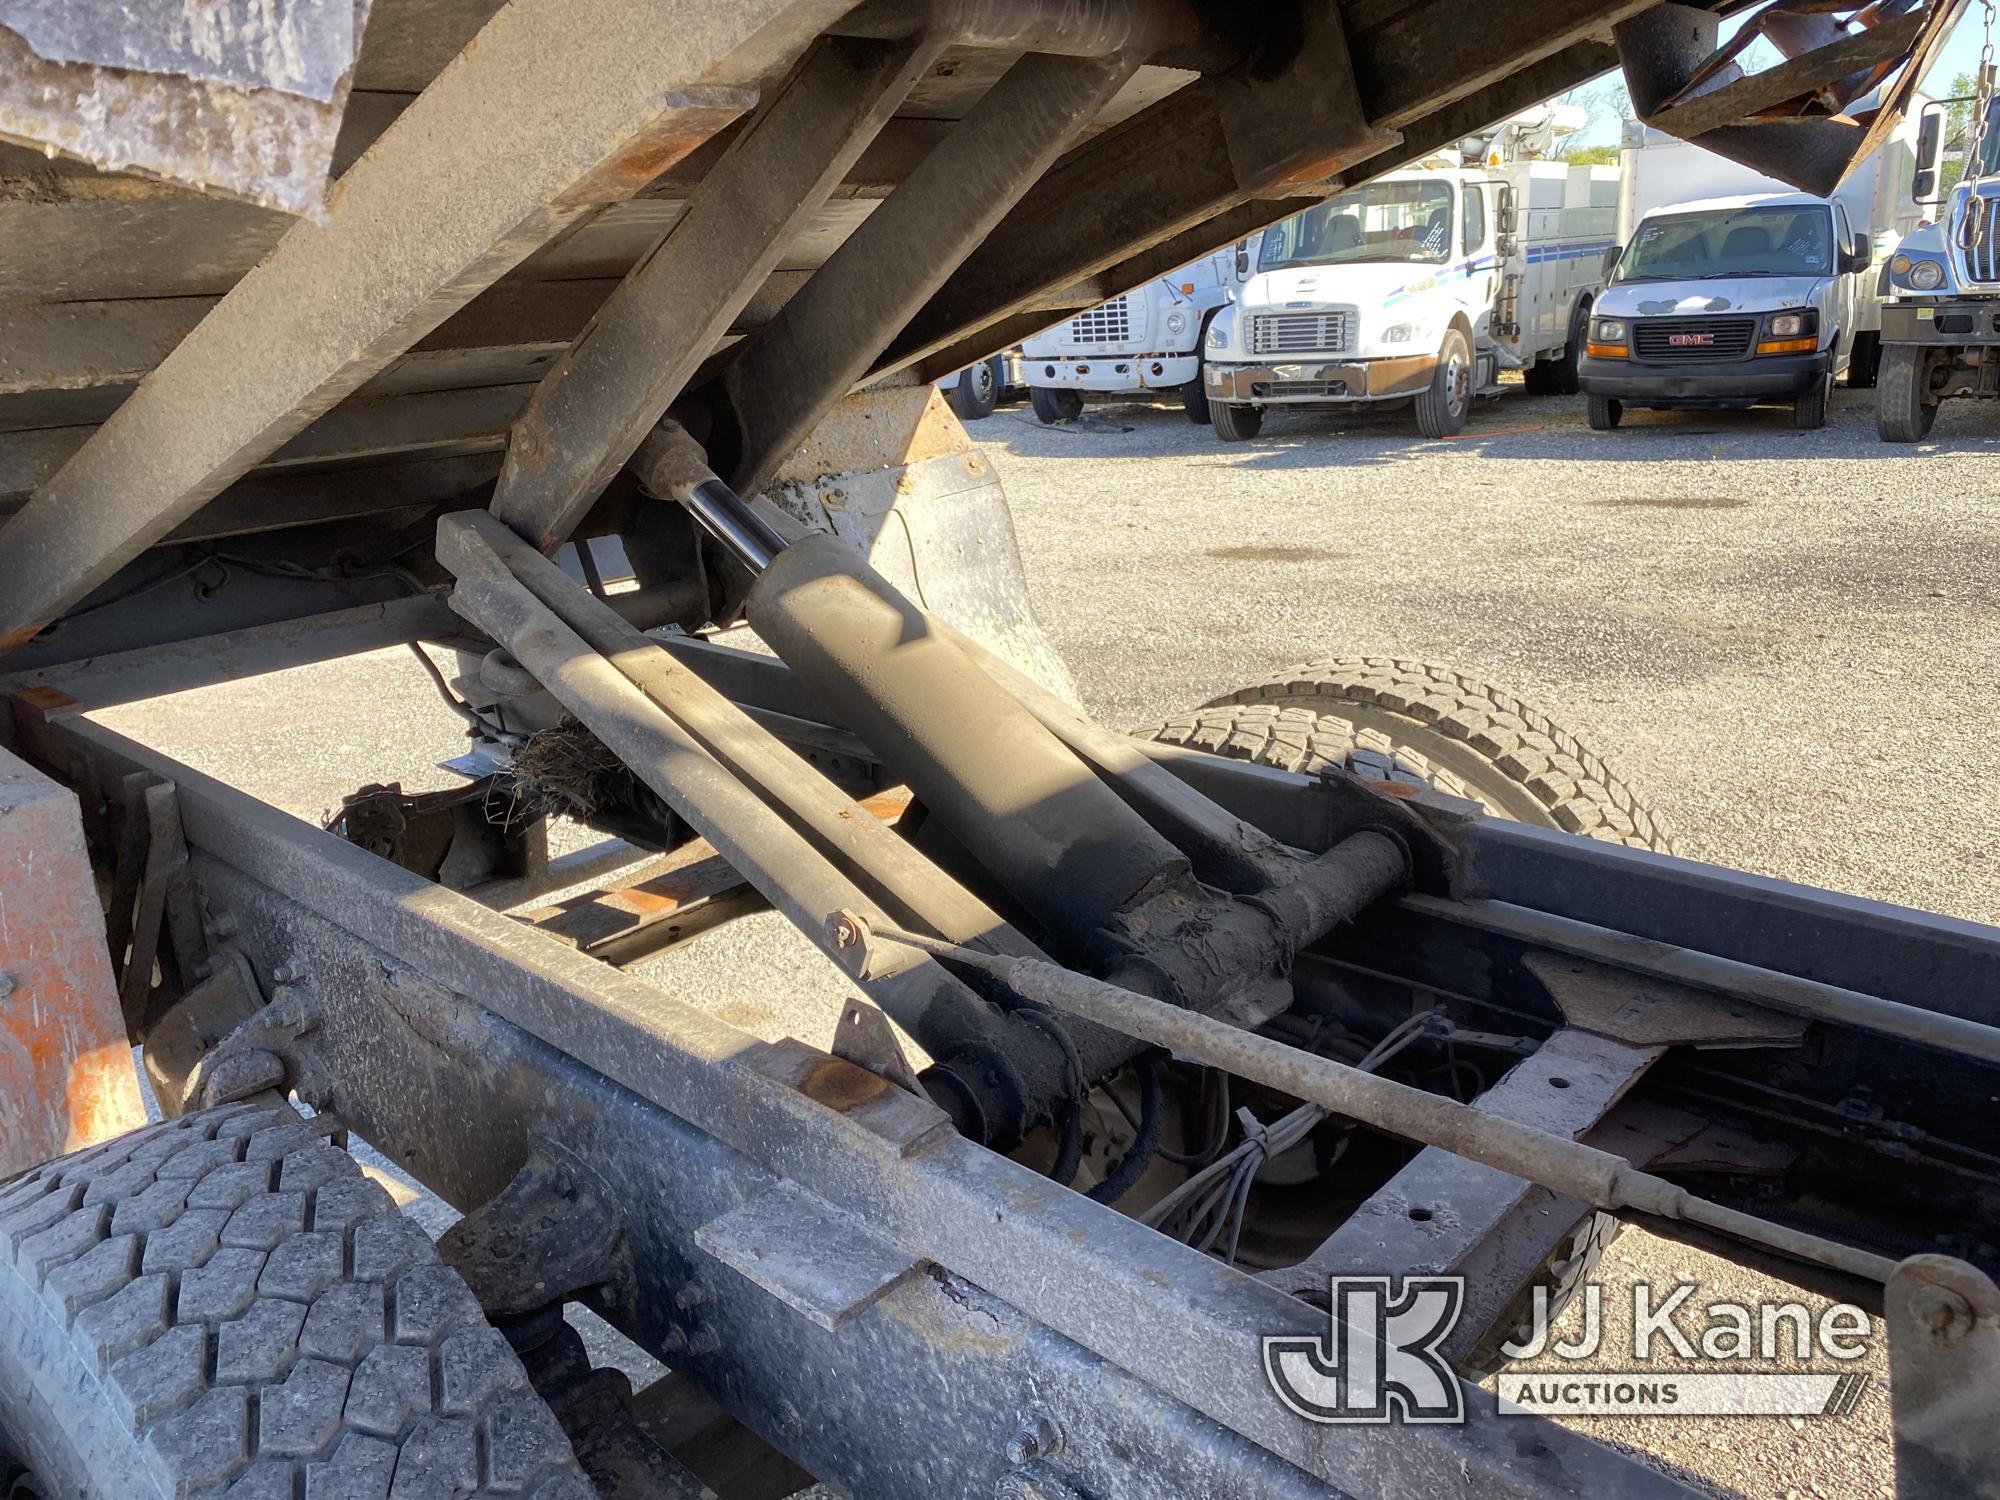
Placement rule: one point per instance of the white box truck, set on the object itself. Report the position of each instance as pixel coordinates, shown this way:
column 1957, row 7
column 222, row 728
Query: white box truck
column 1149, row 339
column 1941, row 319
column 1421, row 286
column 1732, row 290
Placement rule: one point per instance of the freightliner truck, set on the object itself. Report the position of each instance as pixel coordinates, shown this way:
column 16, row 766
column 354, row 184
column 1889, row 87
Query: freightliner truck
column 1941, row 316
column 1032, row 1093
column 1419, row 288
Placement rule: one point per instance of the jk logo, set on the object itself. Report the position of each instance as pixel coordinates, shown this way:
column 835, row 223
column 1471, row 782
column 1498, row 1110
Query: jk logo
column 1379, row 1359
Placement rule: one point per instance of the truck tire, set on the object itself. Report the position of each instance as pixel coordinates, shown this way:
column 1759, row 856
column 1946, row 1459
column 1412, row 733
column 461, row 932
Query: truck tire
column 1194, row 395
column 1055, row 404
column 1389, row 720
column 1194, row 401
column 224, row 1303
column 1864, row 361
column 977, row 391
column 1333, row 714
column 1604, row 412
column 1902, row 415
column 1443, row 404
column 1234, row 422
column 1568, row 378
column 1809, row 407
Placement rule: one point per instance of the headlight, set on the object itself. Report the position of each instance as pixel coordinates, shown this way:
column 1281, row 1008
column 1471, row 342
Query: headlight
column 1899, row 264
column 1399, row 333
column 1608, row 331
column 1218, row 336
column 1926, row 275
column 1787, row 326
column 1176, row 324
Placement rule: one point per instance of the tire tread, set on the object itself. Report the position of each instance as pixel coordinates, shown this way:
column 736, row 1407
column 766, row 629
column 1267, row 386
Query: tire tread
column 228, row 1283
column 1292, row 721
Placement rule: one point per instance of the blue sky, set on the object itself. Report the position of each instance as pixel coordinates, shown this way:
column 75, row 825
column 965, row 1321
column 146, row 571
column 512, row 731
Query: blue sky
column 1960, row 55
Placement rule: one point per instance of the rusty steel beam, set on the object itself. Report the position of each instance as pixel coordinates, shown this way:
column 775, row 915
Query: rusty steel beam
column 595, row 405
column 1189, row 185
column 562, row 107
column 1197, row 153
column 788, row 375
column 1424, row 56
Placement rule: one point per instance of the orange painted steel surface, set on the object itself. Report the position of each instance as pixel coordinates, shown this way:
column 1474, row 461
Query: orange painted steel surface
column 66, row 1074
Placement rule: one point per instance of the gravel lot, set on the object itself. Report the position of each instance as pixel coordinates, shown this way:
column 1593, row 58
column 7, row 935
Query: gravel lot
column 1786, row 641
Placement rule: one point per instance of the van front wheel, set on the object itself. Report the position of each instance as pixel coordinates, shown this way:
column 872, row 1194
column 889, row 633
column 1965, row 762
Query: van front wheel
column 1605, row 413
column 1809, row 407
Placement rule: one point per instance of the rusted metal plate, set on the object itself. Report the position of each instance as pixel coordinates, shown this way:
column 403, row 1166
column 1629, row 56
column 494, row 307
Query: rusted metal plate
column 241, row 96
column 66, row 1074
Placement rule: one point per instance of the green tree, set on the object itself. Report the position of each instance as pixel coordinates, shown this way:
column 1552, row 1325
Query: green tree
column 1590, row 156
column 1957, row 132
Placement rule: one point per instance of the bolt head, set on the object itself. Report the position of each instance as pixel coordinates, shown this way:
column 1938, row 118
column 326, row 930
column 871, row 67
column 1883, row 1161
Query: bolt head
column 1948, row 1316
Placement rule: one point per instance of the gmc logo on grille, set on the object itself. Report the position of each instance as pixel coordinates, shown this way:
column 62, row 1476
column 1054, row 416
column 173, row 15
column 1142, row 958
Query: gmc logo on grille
column 1687, row 340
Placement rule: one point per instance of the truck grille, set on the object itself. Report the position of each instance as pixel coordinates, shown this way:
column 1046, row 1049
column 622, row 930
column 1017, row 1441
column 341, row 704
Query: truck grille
column 1109, row 324
column 1982, row 256
column 1299, row 333
column 1693, row 338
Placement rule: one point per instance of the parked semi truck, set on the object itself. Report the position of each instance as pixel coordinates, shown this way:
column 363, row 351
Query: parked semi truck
column 1732, row 290
column 1422, row 286
column 1137, row 1088
column 1148, row 340
column 1941, row 319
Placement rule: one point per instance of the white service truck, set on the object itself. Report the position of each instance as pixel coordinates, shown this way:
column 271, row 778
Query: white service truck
column 1941, row 322
column 1149, row 339
column 1731, row 289
column 1422, row 286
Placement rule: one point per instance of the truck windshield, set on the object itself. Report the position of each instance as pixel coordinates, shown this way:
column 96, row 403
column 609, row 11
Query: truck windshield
column 1392, row 221
column 1779, row 241
column 1988, row 164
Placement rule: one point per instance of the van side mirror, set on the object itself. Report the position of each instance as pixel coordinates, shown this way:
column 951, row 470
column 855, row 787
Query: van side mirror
column 1930, row 141
column 1860, row 255
column 1611, row 258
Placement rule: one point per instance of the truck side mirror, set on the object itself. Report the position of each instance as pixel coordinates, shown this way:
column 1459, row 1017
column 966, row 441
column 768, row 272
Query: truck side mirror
column 1930, row 141
column 1860, row 255
column 1242, row 260
column 1611, row 260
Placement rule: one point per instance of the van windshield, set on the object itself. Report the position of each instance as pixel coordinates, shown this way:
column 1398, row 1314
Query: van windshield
column 1384, row 221
column 1781, row 241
